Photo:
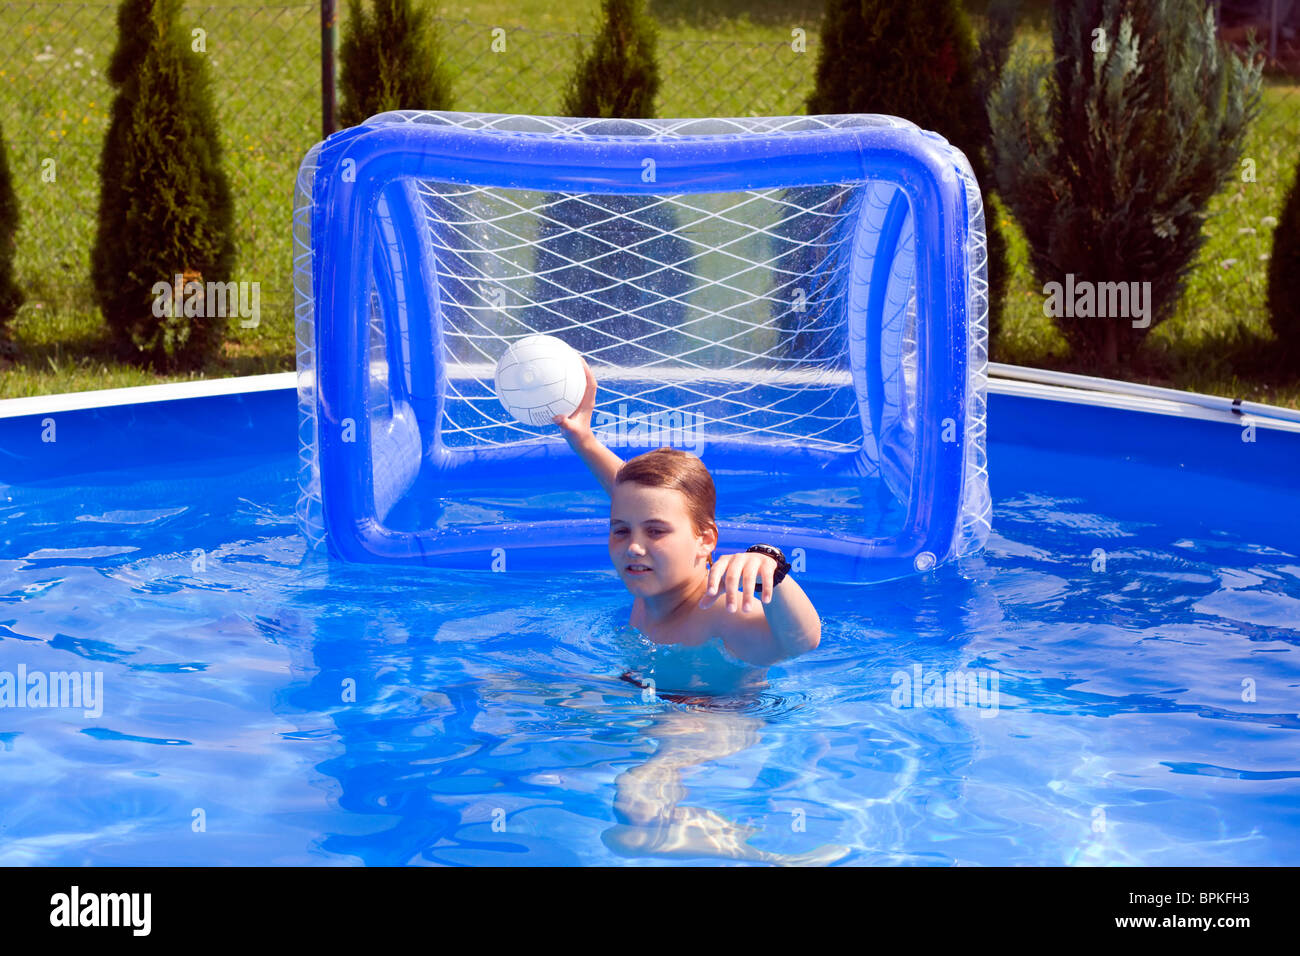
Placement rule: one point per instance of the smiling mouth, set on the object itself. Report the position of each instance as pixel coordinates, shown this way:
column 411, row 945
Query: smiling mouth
column 637, row 569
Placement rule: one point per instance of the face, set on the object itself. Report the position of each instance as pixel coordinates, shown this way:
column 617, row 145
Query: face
column 649, row 527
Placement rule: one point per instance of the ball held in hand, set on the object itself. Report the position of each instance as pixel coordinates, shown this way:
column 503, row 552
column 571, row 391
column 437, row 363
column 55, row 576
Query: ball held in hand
column 539, row 377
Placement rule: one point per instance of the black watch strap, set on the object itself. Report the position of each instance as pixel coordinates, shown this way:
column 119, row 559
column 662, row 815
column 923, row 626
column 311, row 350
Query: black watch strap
column 782, row 565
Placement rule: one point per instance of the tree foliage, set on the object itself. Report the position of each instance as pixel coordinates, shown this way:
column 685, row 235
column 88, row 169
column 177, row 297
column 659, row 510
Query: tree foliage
column 920, row 61
column 1284, row 277
column 11, row 297
column 619, row 75
column 613, row 264
column 389, row 59
column 165, row 207
column 1109, row 155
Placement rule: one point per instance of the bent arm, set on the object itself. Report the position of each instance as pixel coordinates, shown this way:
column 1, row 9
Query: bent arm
column 789, row 626
column 796, row 626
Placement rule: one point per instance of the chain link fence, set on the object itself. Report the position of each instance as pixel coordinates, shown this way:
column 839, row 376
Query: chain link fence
column 265, row 66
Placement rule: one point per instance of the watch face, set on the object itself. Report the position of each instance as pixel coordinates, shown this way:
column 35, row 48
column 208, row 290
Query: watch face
column 776, row 554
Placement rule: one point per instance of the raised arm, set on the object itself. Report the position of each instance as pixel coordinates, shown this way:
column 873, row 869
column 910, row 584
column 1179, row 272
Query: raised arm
column 604, row 464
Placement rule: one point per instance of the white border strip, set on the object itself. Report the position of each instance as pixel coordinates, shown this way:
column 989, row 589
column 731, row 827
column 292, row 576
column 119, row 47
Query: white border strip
column 144, row 394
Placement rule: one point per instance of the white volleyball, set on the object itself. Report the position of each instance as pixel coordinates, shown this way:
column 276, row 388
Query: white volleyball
column 539, row 377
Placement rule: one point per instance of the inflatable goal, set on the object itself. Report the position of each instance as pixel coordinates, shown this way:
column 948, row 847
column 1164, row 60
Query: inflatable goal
column 801, row 301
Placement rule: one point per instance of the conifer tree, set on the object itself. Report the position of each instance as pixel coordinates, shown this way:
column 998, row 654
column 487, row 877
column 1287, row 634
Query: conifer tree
column 389, row 59
column 11, row 297
column 1284, row 278
column 1109, row 155
column 619, row 76
column 613, row 261
column 165, row 207
column 920, row 61
column 1001, row 18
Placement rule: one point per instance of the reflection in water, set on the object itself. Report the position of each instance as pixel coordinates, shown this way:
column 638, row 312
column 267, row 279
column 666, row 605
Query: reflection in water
column 652, row 819
column 718, row 717
column 465, row 727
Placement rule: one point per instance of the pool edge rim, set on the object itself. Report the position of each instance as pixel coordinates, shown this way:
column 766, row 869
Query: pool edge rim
column 146, row 394
column 1075, row 389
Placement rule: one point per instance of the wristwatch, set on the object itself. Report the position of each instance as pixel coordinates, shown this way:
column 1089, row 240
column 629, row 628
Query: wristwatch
column 782, row 565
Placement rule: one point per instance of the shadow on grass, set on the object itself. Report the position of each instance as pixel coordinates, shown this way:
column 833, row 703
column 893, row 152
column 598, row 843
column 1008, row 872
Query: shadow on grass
column 1233, row 353
column 1236, row 356
column 79, row 348
column 241, row 365
column 89, row 352
column 765, row 12
column 1033, row 13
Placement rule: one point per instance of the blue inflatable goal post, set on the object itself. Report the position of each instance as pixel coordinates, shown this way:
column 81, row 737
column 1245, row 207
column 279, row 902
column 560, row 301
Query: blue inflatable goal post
column 801, row 301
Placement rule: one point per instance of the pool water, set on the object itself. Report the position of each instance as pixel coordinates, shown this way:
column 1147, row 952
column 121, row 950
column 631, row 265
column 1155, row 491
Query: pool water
column 1136, row 627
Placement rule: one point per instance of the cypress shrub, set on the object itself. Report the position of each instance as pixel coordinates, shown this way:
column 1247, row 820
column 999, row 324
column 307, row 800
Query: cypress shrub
column 389, row 60
column 613, row 260
column 165, row 207
column 1109, row 155
column 11, row 296
column 619, row 76
column 1001, row 18
column 1284, row 278
column 920, row 61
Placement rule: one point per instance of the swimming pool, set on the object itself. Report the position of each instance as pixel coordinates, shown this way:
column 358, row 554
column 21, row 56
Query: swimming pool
column 1138, row 607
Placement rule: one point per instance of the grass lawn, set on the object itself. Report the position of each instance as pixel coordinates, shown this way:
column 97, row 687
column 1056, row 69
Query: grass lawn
column 732, row 59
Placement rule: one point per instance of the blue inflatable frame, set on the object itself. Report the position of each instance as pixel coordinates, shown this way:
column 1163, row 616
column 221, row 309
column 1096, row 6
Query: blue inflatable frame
column 345, row 179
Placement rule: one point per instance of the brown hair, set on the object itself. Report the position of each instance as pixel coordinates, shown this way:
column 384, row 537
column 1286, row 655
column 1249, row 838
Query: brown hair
column 678, row 470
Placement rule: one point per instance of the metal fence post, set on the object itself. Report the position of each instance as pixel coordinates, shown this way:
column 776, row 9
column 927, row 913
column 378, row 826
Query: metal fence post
column 1272, row 32
column 328, row 23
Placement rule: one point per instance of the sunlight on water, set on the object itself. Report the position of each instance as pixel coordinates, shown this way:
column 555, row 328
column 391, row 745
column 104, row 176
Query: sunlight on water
column 263, row 706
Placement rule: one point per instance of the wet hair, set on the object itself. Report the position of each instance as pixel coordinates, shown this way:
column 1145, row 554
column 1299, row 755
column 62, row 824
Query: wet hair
column 679, row 471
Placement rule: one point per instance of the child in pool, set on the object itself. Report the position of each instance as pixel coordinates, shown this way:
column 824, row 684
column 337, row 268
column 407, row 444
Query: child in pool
column 662, row 519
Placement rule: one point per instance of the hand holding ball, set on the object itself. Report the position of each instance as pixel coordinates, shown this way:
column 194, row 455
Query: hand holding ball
column 539, row 377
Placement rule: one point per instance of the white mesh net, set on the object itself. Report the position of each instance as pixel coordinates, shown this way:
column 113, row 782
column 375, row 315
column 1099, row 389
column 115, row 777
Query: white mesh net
column 690, row 304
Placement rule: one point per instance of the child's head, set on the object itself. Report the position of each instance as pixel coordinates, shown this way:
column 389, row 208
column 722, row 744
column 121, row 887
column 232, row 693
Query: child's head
column 662, row 516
